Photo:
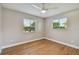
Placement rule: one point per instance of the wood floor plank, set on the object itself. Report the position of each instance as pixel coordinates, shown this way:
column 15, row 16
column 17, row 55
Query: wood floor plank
column 41, row 47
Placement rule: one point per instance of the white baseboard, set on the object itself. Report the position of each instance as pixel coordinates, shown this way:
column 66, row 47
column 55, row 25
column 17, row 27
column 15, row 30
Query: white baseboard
column 73, row 46
column 7, row 46
column 19, row 43
column 11, row 45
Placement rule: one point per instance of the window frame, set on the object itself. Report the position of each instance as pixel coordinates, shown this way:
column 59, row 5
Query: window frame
column 60, row 19
column 30, row 24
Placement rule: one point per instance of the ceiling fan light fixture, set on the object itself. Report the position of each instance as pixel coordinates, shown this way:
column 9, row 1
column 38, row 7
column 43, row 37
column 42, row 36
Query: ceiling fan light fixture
column 43, row 11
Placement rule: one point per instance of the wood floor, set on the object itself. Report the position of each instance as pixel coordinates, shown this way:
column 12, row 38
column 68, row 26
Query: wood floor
column 41, row 47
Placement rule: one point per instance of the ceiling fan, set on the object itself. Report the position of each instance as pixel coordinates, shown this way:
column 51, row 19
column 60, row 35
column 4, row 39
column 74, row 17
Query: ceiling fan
column 43, row 9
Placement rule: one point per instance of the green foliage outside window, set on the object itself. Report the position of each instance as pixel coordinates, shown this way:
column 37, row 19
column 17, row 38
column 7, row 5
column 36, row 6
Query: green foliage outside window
column 60, row 23
column 29, row 25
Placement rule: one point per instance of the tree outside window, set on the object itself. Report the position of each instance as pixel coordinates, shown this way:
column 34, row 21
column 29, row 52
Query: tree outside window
column 29, row 25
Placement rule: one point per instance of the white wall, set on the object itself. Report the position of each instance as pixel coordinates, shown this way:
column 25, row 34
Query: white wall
column 0, row 26
column 12, row 27
column 69, row 35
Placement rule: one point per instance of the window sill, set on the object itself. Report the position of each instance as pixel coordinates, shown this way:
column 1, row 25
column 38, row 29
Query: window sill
column 29, row 31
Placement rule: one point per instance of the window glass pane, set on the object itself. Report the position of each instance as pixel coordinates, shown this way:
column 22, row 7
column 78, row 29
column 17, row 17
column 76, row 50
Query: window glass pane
column 60, row 23
column 32, row 23
column 29, row 25
column 26, row 23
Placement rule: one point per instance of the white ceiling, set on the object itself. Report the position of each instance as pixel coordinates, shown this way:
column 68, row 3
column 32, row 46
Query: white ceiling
column 28, row 8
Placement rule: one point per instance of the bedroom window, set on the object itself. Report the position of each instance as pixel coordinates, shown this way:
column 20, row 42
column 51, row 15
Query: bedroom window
column 29, row 25
column 60, row 23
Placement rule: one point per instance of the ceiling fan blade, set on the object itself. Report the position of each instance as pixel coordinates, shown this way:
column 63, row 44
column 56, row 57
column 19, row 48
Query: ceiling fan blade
column 36, row 7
